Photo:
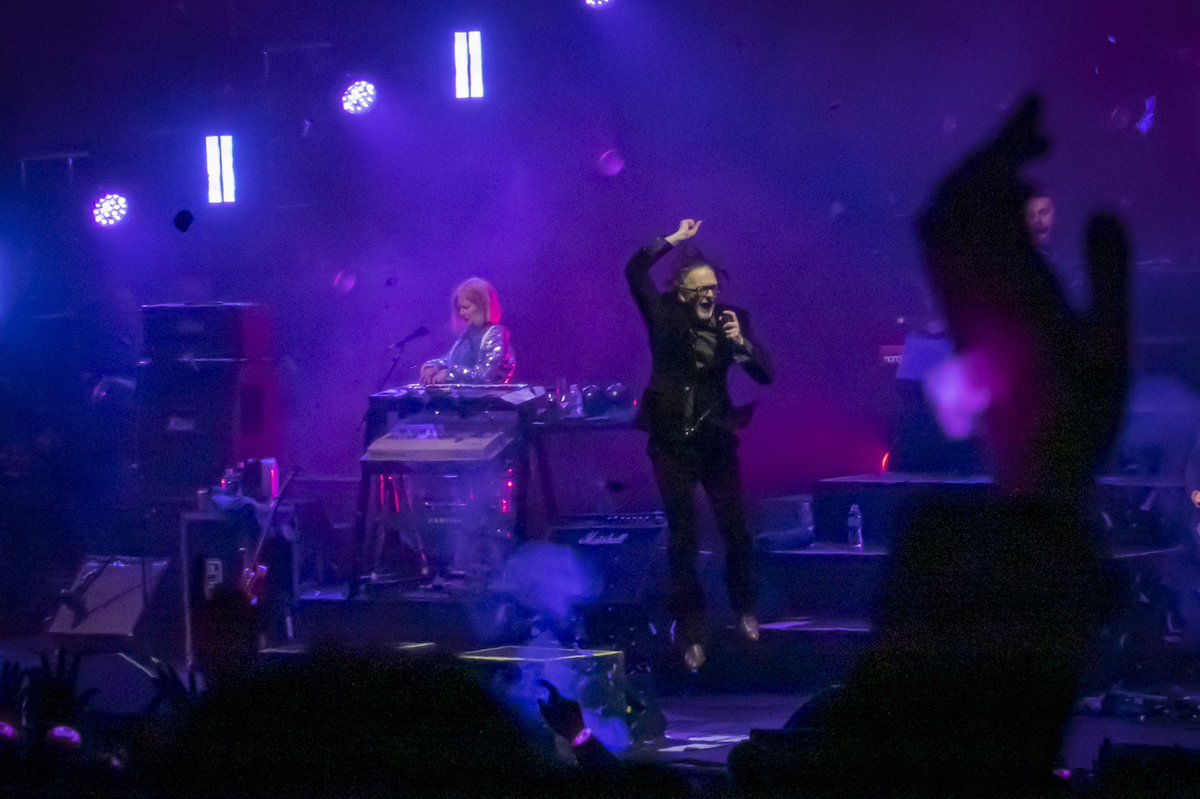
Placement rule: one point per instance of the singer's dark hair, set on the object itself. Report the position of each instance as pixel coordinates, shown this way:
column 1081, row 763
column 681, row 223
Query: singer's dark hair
column 692, row 259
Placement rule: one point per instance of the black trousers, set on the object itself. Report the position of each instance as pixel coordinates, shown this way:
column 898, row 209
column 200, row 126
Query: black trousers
column 709, row 459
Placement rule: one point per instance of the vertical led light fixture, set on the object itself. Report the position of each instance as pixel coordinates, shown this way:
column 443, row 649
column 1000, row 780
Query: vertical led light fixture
column 468, row 64
column 475, row 50
column 221, row 184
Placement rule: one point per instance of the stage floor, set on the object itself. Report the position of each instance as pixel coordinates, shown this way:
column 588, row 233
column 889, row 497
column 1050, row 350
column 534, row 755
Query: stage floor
column 702, row 728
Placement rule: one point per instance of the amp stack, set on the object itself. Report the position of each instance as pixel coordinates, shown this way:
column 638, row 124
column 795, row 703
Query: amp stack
column 207, row 395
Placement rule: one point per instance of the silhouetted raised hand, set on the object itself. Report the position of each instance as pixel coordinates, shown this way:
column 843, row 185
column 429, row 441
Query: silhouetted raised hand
column 989, row 602
column 53, row 696
column 1055, row 379
column 12, row 694
column 562, row 715
column 171, row 691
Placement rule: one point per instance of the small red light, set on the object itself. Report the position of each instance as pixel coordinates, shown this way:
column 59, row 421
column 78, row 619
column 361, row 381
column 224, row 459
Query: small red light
column 884, row 463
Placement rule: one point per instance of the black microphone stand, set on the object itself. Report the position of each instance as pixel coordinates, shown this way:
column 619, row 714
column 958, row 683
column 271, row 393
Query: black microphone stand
column 356, row 575
column 391, row 368
column 399, row 348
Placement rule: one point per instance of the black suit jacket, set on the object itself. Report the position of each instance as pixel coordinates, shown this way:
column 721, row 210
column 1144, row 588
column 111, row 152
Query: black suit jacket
column 682, row 399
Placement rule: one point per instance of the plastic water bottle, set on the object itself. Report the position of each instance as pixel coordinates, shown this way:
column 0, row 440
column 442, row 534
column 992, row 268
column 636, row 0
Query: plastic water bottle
column 806, row 519
column 854, row 533
column 231, row 482
column 574, row 401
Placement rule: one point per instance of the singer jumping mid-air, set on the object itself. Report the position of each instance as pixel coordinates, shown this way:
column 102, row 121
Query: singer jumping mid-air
column 691, row 423
column 483, row 352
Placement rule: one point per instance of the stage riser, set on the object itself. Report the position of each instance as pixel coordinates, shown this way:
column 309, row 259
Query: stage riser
column 843, row 584
column 886, row 507
column 455, row 625
column 782, row 662
column 888, row 502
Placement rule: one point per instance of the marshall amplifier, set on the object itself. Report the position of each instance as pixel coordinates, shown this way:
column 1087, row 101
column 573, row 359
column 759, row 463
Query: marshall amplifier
column 624, row 552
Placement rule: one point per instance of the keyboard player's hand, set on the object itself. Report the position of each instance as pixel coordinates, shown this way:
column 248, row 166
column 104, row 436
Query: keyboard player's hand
column 441, row 376
column 427, row 373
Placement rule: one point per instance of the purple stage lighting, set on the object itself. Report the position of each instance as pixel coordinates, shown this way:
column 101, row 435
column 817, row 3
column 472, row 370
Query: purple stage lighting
column 109, row 210
column 468, row 64
column 358, row 97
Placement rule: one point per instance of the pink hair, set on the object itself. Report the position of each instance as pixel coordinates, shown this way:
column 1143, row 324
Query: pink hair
column 481, row 293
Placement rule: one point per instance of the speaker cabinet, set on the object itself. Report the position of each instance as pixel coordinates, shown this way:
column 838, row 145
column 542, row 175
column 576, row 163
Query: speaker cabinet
column 624, row 554
column 207, row 394
column 196, row 418
column 213, row 330
column 594, row 470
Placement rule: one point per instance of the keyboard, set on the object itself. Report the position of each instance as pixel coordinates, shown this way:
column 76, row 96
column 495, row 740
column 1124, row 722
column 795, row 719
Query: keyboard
column 433, row 443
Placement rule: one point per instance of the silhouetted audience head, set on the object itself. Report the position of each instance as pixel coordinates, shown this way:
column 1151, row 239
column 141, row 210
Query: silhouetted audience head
column 348, row 723
column 226, row 635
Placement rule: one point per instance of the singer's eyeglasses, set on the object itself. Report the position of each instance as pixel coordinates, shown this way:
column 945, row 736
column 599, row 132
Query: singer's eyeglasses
column 698, row 290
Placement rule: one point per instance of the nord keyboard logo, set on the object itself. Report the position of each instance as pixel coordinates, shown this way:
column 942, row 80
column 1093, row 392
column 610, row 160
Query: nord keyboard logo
column 596, row 538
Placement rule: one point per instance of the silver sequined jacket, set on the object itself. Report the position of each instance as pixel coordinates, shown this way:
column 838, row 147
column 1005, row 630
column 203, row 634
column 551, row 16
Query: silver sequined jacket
column 493, row 363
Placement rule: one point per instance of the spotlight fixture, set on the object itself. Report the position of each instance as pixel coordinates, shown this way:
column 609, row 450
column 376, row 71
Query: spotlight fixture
column 109, row 210
column 358, row 97
column 595, row 3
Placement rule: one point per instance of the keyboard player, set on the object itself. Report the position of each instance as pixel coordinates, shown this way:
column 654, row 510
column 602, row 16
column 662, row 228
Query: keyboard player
column 483, row 352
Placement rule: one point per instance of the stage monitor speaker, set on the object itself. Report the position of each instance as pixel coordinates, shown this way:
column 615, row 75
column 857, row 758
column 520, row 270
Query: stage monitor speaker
column 624, row 552
column 108, row 601
column 138, row 603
